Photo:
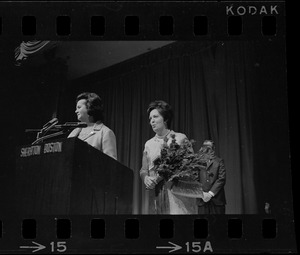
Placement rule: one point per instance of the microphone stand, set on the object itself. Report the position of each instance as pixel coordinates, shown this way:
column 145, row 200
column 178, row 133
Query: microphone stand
column 41, row 135
column 45, row 129
column 48, row 136
column 43, row 132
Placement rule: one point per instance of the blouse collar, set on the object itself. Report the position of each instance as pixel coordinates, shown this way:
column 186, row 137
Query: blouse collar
column 159, row 138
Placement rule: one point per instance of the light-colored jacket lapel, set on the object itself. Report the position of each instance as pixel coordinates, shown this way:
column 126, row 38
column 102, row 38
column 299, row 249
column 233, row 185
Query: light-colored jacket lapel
column 97, row 127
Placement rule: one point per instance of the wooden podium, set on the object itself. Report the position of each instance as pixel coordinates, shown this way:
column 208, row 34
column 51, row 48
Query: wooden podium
column 70, row 177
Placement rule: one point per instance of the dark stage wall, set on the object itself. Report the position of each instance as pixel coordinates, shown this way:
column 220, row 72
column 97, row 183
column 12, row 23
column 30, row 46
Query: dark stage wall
column 232, row 92
column 30, row 97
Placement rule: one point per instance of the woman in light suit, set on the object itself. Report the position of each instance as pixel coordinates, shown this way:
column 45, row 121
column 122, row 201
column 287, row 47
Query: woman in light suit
column 161, row 200
column 89, row 109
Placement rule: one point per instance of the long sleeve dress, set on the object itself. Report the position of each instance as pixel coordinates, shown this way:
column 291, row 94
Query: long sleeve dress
column 101, row 137
column 161, row 199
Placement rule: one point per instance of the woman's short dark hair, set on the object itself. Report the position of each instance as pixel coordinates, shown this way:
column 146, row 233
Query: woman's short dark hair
column 94, row 105
column 164, row 109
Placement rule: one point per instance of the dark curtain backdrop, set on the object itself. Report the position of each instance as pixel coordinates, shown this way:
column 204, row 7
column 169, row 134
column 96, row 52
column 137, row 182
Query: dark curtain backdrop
column 31, row 95
column 212, row 87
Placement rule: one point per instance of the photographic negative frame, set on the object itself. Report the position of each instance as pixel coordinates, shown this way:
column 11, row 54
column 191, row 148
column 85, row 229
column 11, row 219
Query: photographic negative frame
column 220, row 65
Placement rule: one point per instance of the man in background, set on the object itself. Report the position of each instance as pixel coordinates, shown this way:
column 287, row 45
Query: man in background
column 213, row 180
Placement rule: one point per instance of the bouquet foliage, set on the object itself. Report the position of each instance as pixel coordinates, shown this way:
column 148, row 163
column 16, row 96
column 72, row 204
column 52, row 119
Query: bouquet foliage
column 179, row 162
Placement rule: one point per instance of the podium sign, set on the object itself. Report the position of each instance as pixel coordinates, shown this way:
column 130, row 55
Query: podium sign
column 68, row 176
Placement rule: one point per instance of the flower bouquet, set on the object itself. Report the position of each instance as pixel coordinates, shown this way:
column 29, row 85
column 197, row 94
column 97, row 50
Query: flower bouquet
column 179, row 166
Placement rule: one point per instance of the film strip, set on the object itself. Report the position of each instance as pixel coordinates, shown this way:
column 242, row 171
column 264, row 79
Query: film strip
column 168, row 234
column 130, row 21
column 246, row 42
column 165, row 25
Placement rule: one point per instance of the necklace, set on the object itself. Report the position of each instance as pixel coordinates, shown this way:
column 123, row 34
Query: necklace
column 162, row 136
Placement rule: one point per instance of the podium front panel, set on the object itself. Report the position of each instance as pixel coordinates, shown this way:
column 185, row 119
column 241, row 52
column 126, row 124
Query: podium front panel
column 68, row 176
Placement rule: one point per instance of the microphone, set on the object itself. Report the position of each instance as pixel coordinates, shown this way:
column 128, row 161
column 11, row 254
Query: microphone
column 69, row 125
column 47, row 127
column 54, row 120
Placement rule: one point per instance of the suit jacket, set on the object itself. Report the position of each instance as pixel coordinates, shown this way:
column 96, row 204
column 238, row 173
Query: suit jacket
column 101, row 137
column 213, row 179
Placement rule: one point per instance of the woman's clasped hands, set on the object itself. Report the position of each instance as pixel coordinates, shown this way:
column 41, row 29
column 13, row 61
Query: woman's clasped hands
column 150, row 182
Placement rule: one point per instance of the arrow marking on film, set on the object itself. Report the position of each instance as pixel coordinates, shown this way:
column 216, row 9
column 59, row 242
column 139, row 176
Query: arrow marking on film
column 174, row 247
column 38, row 247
